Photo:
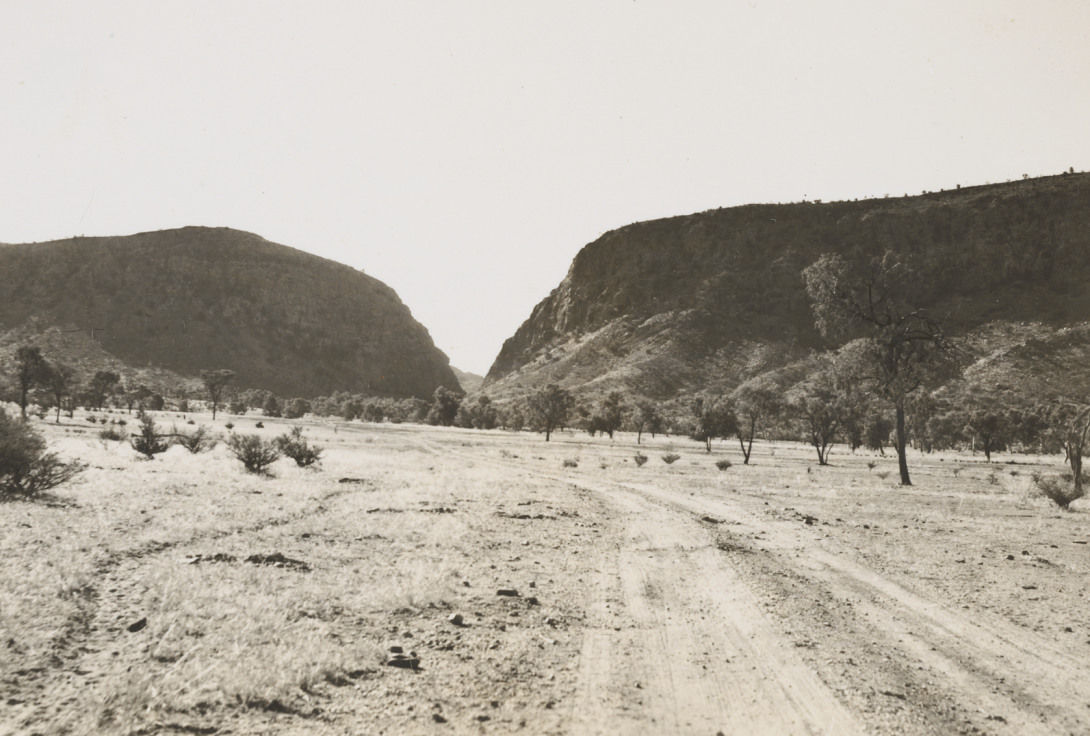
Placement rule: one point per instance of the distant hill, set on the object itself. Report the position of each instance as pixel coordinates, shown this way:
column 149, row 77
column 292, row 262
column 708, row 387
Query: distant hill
column 470, row 382
column 179, row 301
column 709, row 300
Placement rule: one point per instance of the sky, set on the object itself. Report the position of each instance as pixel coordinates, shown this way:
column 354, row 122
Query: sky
column 464, row 152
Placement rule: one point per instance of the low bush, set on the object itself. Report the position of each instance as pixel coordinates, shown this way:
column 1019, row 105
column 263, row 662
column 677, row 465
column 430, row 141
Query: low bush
column 255, row 453
column 26, row 469
column 109, row 434
column 260, row 425
column 569, row 463
column 671, row 458
column 640, row 459
column 148, row 441
column 197, row 441
column 1060, row 489
column 295, row 446
column 723, row 464
column 230, row 425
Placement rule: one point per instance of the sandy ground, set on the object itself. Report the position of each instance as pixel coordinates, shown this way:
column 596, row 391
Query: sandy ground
column 775, row 598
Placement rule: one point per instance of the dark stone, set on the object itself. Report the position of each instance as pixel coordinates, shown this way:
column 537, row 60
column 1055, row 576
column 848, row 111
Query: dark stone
column 142, row 623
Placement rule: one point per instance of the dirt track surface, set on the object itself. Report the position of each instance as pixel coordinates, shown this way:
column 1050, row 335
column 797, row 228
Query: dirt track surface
column 776, row 598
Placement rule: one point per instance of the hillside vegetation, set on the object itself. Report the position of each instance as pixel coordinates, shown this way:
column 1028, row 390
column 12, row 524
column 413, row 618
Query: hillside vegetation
column 178, row 301
column 708, row 301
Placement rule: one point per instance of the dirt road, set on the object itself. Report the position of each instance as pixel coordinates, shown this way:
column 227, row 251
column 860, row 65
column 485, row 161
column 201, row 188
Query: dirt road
column 592, row 596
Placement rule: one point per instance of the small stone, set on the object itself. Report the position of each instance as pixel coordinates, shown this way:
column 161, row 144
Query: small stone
column 438, row 718
column 465, row 583
column 509, row 592
column 133, row 628
column 455, row 618
column 533, row 584
column 1010, row 557
column 396, row 650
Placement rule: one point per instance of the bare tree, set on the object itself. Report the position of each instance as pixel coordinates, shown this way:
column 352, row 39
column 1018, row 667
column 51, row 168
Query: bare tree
column 214, row 383
column 901, row 348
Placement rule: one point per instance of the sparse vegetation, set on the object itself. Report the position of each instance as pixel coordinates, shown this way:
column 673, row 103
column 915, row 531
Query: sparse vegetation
column 723, row 464
column 1060, row 489
column 570, row 463
column 670, row 458
column 640, row 459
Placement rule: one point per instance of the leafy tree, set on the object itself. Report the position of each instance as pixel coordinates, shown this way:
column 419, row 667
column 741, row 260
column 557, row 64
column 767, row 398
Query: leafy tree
column 271, row 407
column 30, row 369
column 549, row 408
column 296, row 408
column 58, row 377
column 608, row 415
column 714, row 419
column 444, row 407
column 754, row 403
column 101, row 387
column 900, row 348
column 990, row 424
column 647, row 417
column 818, row 410
column 214, row 383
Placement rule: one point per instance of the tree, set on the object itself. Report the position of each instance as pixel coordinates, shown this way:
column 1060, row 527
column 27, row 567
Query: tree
column 714, row 419
column 102, row 385
column 30, row 369
column 271, row 408
column 444, row 407
column 608, row 415
column 214, row 383
column 549, row 408
column 818, row 409
column 899, row 348
column 1070, row 424
column 754, row 403
column 647, row 417
column 296, row 408
column 991, row 426
column 58, row 377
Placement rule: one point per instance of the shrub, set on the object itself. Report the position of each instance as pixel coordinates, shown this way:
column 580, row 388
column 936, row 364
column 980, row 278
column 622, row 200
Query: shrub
column 295, row 446
column 190, row 421
column 110, row 434
column 640, row 459
column 148, row 441
column 670, row 458
column 230, row 425
column 255, row 453
column 1060, row 489
column 92, row 420
column 569, row 463
column 26, row 468
column 723, row 464
column 260, row 425
column 197, row 441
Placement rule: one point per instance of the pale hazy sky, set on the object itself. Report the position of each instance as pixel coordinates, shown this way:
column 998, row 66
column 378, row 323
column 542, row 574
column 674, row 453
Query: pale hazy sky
column 463, row 152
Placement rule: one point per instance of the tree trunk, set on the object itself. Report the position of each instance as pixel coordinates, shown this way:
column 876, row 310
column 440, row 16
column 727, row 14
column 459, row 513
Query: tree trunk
column 902, row 461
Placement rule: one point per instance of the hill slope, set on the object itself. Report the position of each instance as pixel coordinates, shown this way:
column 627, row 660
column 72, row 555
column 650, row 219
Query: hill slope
column 196, row 298
column 710, row 299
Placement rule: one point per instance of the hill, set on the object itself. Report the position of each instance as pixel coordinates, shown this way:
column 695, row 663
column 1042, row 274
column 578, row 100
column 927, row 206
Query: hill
column 179, row 301
column 708, row 300
column 469, row 382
